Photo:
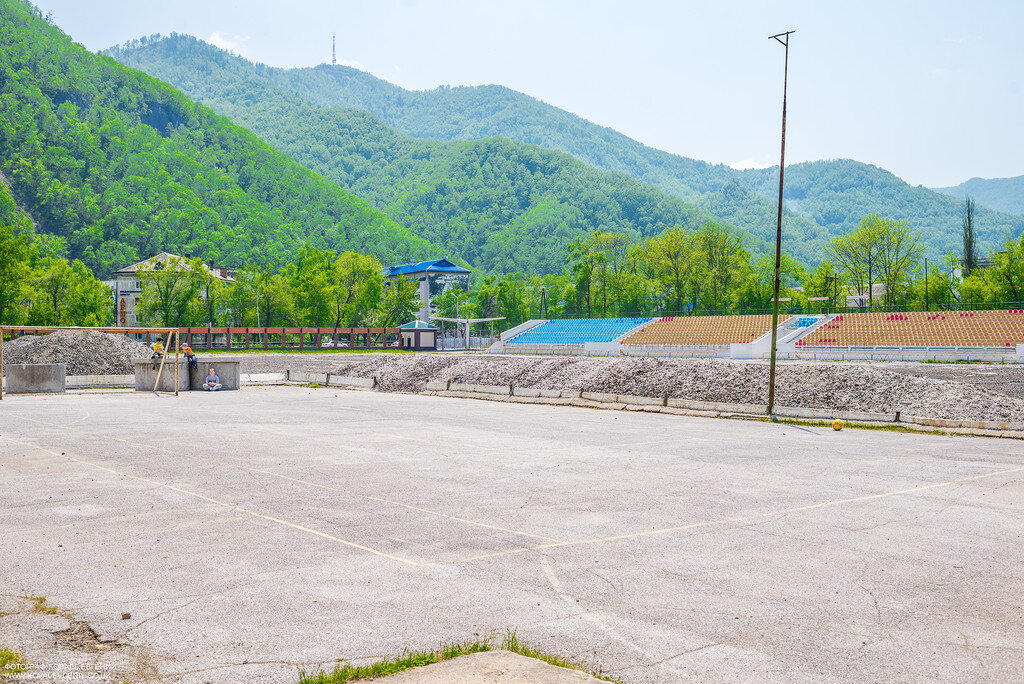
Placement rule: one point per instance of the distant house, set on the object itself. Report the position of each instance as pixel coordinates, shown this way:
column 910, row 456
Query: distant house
column 434, row 277
column 127, row 286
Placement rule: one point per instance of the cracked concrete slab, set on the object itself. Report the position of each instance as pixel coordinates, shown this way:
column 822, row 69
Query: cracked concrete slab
column 252, row 534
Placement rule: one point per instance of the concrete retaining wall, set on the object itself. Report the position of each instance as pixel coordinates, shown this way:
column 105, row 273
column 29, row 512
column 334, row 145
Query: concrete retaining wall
column 228, row 370
column 145, row 376
column 35, row 378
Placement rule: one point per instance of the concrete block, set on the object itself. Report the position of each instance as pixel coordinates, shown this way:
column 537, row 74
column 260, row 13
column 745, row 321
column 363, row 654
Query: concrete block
column 145, row 376
column 480, row 389
column 569, row 394
column 715, row 406
column 525, row 392
column 550, row 393
column 350, row 381
column 227, row 369
column 267, row 378
column 602, row 397
column 35, row 378
column 437, row 386
column 640, row 401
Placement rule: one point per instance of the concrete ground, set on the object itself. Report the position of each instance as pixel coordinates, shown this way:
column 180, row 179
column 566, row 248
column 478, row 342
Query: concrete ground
column 252, row 533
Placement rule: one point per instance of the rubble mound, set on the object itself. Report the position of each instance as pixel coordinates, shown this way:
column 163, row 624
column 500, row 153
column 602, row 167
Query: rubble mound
column 84, row 352
column 837, row 386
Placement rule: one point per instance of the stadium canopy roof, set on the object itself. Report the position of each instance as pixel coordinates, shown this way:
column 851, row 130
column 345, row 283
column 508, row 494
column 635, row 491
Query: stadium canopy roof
column 435, row 266
column 466, row 320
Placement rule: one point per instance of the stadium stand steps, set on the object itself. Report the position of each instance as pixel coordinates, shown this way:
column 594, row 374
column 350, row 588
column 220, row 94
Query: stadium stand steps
column 570, row 331
column 986, row 329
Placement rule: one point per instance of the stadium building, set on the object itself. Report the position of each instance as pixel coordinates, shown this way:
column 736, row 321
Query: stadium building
column 434, row 278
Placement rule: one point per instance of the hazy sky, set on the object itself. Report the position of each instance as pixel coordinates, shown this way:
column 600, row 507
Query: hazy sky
column 933, row 91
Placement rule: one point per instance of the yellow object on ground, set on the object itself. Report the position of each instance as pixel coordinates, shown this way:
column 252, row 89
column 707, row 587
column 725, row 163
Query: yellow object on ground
column 837, row 424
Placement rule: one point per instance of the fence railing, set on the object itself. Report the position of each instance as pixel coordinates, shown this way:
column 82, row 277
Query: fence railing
column 785, row 309
column 290, row 338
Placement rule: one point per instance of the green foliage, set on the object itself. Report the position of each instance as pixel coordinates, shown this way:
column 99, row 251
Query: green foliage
column 171, row 291
column 878, row 251
column 15, row 273
column 118, row 164
column 399, row 302
column 68, row 294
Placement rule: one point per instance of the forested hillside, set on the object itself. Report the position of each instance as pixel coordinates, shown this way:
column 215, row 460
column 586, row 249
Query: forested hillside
column 827, row 198
column 114, row 164
column 1001, row 194
column 504, row 206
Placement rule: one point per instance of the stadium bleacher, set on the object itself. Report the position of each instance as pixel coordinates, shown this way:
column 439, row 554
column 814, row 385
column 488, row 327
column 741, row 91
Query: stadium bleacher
column 568, row 331
column 701, row 330
column 1002, row 329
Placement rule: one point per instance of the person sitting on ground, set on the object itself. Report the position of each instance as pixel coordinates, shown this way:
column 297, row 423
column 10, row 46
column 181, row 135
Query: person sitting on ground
column 190, row 356
column 158, row 350
column 212, row 382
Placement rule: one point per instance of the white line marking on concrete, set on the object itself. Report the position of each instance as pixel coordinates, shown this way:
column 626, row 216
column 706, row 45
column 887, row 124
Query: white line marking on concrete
column 261, row 471
column 229, row 506
column 737, row 519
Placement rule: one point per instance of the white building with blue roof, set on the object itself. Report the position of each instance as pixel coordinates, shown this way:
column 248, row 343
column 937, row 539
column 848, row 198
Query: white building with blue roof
column 434, row 278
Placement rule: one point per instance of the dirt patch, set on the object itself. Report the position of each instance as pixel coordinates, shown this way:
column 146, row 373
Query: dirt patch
column 56, row 646
column 84, row 352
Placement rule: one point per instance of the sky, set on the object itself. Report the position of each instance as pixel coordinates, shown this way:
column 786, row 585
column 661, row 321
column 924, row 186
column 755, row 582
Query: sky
column 932, row 91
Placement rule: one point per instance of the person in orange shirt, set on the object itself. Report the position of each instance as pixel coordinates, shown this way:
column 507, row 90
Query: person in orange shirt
column 190, row 356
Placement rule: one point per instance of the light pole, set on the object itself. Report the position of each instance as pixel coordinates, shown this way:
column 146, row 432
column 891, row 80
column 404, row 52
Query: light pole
column 783, row 39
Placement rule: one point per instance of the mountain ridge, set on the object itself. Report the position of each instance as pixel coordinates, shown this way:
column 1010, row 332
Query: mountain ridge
column 815, row 191
column 1004, row 194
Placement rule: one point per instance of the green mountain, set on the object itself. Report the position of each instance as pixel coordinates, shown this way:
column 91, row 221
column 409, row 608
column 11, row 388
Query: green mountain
column 825, row 198
column 112, row 164
column 1002, row 194
column 501, row 205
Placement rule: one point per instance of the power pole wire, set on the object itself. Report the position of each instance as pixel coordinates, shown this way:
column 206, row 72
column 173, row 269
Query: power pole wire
column 783, row 39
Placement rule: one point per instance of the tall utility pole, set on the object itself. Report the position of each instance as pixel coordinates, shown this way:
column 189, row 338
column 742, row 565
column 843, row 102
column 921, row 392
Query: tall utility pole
column 334, row 53
column 783, row 39
column 926, row 285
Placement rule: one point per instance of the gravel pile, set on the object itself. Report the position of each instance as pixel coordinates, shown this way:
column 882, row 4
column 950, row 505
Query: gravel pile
column 85, row 352
column 839, row 386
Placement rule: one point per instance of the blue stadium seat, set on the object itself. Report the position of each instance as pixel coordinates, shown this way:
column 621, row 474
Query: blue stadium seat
column 578, row 330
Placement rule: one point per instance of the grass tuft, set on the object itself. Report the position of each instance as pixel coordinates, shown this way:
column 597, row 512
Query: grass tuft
column 11, row 663
column 514, row 644
column 409, row 659
column 40, row 605
column 447, row 651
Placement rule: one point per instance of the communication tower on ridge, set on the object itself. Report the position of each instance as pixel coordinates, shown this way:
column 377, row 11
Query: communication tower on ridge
column 334, row 55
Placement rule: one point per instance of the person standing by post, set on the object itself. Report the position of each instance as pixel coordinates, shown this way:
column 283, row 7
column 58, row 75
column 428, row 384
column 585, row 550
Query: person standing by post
column 212, row 382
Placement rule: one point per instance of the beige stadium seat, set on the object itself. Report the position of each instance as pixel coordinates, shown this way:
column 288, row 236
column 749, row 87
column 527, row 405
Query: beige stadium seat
column 701, row 330
column 920, row 329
